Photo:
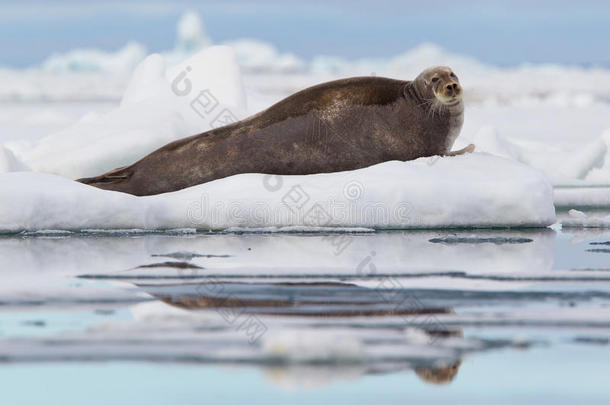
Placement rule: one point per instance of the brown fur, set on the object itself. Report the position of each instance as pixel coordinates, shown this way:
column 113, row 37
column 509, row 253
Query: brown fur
column 340, row 125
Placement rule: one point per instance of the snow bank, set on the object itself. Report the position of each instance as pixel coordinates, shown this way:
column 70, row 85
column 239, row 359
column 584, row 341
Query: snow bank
column 37, row 85
column 122, row 61
column 258, row 56
column 190, row 34
column 409, row 63
column 563, row 162
column 578, row 219
column 467, row 191
column 582, row 197
column 8, row 162
column 159, row 106
column 580, row 87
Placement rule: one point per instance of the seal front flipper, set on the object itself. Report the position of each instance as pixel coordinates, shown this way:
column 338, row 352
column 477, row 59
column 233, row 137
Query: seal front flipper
column 467, row 149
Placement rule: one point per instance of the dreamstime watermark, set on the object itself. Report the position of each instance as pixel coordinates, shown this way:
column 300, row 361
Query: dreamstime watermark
column 294, row 204
column 353, row 190
column 230, row 308
column 295, row 207
column 332, row 212
column 204, row 103
column 408, row 306
column 301, row 208
column 233, row 310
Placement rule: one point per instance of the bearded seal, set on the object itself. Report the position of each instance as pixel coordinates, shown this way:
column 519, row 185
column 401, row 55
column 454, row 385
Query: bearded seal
column 336, row 126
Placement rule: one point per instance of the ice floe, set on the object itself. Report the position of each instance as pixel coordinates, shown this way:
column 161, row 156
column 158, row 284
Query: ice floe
column 467, row 191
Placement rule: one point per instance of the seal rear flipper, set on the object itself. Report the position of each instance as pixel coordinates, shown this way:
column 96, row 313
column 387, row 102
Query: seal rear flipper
column 114, row 176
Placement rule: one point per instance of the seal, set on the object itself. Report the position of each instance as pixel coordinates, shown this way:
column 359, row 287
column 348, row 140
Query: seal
column 340, row 125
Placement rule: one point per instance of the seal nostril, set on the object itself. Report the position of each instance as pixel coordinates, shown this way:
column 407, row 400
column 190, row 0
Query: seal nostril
column 449, row 87
column 455, row 86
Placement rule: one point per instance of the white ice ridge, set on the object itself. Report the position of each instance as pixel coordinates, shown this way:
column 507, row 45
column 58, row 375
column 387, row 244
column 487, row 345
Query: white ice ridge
column 477, row 190
column 578, row 219
column 159, row 106
column 582, row 197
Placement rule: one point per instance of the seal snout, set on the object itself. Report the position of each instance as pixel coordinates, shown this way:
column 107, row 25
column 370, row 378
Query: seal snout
column 448, row 90
column 452, row 90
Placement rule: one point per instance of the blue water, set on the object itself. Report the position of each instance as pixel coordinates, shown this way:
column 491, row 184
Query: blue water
column 571, row 374
column 73, row 330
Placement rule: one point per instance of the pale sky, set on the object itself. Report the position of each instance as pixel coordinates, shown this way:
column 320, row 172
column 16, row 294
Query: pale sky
column 500, row 32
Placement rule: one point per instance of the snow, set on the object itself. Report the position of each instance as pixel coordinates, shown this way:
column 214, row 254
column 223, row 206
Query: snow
column 122, row 61
column 524, row 84
column 191, row 35
column 452, row 192
column 582, row 196
column 517, row 114
column 259, row 56
column 155, row 110
column 8, row 162
column 578, row 219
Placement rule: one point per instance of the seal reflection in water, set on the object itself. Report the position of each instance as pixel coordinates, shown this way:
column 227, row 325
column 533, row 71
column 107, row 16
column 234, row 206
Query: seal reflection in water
column 340, row 125
column 321, row 301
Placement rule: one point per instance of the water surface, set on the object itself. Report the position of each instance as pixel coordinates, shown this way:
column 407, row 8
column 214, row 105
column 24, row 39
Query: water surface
column 348, row 318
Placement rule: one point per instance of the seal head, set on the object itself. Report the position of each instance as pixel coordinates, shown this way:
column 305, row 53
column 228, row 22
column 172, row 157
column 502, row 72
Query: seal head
column 439, row 88
column 440, row 85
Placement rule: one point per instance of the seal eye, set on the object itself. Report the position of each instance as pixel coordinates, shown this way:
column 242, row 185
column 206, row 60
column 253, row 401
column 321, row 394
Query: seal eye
column 453, row 75
column 434, row 79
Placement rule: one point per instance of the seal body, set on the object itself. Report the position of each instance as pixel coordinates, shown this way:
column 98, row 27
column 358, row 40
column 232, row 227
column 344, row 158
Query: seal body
column 335, row 126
